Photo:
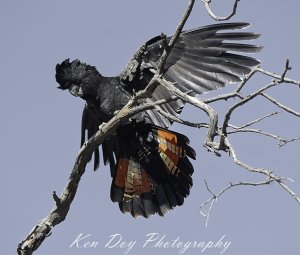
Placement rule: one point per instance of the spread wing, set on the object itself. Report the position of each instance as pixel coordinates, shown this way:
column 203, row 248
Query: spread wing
column 203, row 59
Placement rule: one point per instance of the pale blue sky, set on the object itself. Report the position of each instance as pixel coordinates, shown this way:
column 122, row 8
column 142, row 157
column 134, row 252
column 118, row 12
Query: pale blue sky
column 40, row 129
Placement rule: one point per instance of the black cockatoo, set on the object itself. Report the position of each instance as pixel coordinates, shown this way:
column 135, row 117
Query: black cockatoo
column 150, row 164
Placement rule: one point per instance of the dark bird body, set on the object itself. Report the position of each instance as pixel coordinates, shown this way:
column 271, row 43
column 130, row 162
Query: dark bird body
column 150, row 164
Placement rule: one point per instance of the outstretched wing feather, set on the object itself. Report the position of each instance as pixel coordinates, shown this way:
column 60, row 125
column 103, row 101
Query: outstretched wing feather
column 201, row 60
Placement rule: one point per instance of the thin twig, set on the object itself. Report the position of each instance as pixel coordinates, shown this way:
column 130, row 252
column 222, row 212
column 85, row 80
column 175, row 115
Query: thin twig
column 255, row 121
column 225, row 97
column 280, row 105
column 289, row 141
column 270, row 177
column 215, row 17
column 245, row 80
column 215, row 197
column 279, row 77
column 257, row 131
column 242, row 102
column 287, row 68
column 268, row 173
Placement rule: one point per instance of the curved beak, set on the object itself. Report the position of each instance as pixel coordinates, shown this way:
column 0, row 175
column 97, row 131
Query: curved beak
column 76, row 90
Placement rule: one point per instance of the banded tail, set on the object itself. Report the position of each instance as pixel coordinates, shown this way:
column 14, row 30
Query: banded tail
column 153, row 172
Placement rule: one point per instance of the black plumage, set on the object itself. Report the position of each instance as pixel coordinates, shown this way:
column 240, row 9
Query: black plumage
column 150, row 164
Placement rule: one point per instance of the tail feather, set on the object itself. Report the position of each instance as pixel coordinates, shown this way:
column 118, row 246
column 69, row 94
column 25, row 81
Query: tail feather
column 153, row 173
column 150, row 207
column 161, row 199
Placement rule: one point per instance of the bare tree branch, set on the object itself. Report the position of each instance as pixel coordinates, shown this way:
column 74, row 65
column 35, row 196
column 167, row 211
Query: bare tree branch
column 278, row 77
column 255, row 121
column 280, row 105
column 223, row 133
column 289, row 141
column 268, row 173
column 257, row 131
column 277, row 81
column 242, row 102
column 214, row 197
column 215, row 17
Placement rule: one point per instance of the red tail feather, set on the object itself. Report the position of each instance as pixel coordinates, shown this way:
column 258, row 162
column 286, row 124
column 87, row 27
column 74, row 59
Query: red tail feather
column 153, row 173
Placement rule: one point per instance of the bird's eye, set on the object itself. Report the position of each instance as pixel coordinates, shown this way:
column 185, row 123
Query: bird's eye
column 73, row 88
column 67, row 84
